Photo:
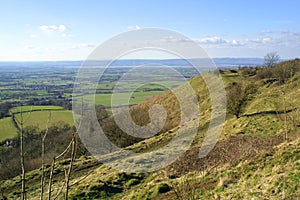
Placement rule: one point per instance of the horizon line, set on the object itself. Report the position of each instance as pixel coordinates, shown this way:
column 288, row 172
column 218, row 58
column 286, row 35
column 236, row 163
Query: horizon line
column 141, row 59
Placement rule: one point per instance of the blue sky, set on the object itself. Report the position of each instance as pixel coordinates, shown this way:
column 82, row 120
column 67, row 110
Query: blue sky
column 71, row 30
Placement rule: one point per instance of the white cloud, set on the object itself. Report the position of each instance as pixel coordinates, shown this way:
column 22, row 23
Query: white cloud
column 211, row 40
column 33, row 36
column 219, row 41
column 29, row 47
column 66, row 35
column 267, row 31
column 289, row 33
column 234, row 42
column 266, row 40
column 285, row 42
column 214, row 41
column 132, row 28
column 53, row 28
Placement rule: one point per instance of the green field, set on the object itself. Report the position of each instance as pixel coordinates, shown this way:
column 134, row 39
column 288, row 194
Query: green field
column 159, row 85
column 34, row 108
column 40, row 118
column 136, row 98
column 7, row 129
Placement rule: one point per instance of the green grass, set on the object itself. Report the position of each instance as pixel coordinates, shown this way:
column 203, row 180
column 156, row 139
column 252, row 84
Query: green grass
column 7, row 129
column 136, row 98
column 34, row 108
column 273, row 177
column 139, row 96
column 40, row 118
column 229, row 77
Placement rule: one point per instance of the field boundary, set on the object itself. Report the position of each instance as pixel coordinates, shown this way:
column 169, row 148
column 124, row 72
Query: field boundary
column 15, row 123
column 26, row 111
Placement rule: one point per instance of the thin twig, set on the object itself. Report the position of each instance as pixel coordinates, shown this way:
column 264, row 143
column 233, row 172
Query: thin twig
column 43, row 156
column 50, row 178
column 87, row 175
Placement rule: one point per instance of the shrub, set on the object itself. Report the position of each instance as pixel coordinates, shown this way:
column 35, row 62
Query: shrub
column 248, row 71
column 238, row 95
column 163, row 188
column 282, row 72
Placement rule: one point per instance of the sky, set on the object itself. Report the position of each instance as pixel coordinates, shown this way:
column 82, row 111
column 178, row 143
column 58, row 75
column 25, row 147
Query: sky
column 70, row 30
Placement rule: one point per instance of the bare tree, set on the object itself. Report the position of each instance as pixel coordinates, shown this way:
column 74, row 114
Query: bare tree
column 52, row 170
column 73, row 147
column 237, row 96
column 43, row 156
column 285, row 113
column 21, row 123
column 74, row 144
column 271, row 59
column 72, row 159
column 50, row 178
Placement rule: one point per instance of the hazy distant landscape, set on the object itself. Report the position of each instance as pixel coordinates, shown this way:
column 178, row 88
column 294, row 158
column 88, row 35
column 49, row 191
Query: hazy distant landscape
column 220, row 62
column 42, row 85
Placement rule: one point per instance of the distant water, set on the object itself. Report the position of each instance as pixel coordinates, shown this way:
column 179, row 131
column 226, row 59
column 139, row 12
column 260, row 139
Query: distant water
column 220, row 62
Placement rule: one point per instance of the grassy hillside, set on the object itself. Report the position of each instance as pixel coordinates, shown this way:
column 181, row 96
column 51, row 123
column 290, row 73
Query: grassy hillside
column 252, row 159
column 136, row 98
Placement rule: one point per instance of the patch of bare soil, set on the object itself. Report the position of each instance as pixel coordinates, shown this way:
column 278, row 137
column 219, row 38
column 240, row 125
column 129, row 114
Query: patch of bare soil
column 230, row 152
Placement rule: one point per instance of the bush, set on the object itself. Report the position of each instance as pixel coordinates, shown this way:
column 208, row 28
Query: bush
column 163, row 188
column 262, row 73
column 284, row 71
column 238, row 95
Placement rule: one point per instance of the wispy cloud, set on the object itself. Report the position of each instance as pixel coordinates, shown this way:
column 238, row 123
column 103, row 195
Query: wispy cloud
column 53, row 28
column 286, row 42
column 30, row 47
column 266, row 32
column 219, row 41
column 132, row 28
column 66, row 35
column 264, row 39
column 33, row 36
column 212, row 40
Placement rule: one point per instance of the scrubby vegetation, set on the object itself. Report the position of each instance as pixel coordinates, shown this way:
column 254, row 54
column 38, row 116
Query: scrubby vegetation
column 256, row 157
